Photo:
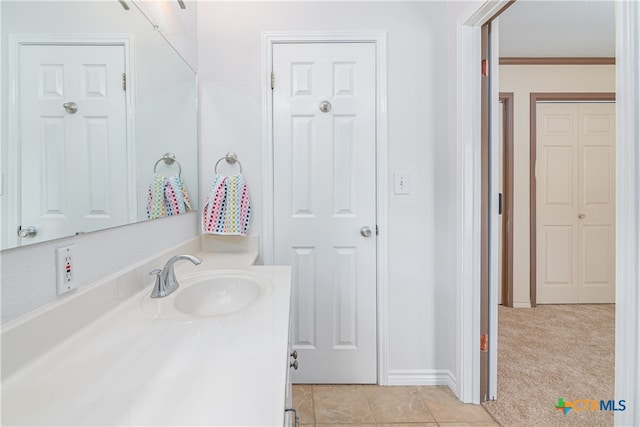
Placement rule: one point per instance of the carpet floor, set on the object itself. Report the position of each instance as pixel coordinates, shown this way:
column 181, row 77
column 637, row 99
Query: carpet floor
column 551, row 352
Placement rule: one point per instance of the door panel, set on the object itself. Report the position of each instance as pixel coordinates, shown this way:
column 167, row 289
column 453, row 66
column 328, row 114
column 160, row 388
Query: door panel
column 324, row 193
column 575, row 203
column 597, row 203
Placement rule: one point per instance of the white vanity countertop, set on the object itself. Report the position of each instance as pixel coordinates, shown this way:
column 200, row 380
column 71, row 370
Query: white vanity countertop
column 127, row 368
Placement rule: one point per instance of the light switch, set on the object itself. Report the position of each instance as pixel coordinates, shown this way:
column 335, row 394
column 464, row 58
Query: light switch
column 401, row 183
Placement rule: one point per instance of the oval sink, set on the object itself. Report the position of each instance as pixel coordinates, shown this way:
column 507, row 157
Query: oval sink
column 209, row 293
column 217, row 296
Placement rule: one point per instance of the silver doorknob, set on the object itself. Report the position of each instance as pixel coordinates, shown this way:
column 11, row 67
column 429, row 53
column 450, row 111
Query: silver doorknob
column 582, row 216
column 71, row 107
column 365, row 231
column 28, row 232
column 325, row 106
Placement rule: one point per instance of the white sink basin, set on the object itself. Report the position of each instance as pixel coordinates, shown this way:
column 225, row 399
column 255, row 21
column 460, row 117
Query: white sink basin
column 210, row 293
column 216, row 296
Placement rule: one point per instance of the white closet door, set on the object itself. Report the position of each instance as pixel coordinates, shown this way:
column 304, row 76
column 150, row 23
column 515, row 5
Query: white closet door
column 575, row 203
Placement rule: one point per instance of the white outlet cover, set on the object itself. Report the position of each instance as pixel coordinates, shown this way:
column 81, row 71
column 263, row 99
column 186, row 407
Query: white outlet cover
column 64, row 284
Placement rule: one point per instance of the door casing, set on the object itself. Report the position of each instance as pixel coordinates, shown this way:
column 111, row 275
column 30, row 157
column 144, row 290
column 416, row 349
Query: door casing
column 266, row 245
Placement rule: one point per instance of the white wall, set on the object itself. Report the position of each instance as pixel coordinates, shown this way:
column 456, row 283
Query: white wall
column 522, row 80
column 421, row 273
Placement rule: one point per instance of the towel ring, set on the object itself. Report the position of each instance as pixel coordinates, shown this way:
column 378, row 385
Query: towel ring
column 231, row 158
column 169, row 159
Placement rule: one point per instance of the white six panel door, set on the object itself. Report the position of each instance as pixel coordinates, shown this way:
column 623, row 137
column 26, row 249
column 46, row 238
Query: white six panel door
column 324, row 194
column 74, row 165
column 575, row 203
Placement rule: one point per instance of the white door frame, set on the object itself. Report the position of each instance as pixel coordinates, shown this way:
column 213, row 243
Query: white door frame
column 13, row 144
column 267, row 250
column 627, row 383
column 627, row 379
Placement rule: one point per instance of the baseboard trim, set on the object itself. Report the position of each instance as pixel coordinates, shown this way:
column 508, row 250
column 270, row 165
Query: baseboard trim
column 422, row 377
column 521, row 305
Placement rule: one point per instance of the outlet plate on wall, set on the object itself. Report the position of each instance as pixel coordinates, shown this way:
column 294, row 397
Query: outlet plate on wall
column 66, row 280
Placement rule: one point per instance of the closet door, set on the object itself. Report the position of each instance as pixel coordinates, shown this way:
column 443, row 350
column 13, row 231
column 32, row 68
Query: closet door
column 575, row 203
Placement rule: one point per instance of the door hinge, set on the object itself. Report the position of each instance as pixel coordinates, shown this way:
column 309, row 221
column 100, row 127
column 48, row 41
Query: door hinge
column 484, row 342
column 485, row 68
column 377, row 231
column 273, row 80
column 124, row 81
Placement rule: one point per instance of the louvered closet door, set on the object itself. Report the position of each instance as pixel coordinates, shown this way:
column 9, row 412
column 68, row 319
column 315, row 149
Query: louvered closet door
column 575, row 203
column 324, row 195
column 74, row 164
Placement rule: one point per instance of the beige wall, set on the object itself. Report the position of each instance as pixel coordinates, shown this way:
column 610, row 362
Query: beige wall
column 522, row 80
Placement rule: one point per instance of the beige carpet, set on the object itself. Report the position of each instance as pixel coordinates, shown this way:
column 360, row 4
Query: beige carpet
column 551, row 352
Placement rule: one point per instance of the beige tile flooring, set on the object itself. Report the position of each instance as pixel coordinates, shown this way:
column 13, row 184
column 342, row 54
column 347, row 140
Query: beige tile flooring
column 372, row 405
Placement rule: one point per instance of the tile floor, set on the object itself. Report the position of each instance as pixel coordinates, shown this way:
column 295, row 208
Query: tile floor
column 372, row 405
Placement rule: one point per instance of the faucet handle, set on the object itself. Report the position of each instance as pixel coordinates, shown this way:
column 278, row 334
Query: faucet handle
column 157, row 287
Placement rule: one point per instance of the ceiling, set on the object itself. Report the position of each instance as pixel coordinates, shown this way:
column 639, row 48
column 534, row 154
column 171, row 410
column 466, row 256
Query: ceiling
column 558, row 28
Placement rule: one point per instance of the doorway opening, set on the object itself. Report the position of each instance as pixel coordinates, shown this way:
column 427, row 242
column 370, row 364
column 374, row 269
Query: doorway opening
column 488, row 175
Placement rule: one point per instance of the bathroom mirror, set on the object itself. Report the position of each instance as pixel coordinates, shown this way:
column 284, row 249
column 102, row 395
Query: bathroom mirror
column 93, row 97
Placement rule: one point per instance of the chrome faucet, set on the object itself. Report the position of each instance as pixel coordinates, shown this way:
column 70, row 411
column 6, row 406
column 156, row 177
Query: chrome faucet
column 166, row 278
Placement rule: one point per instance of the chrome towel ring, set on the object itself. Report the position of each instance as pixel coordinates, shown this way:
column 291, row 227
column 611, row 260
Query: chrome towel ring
column 231, row 158
column 169, row 159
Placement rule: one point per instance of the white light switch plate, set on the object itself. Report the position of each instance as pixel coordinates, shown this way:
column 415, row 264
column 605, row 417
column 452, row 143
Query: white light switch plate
column 401, row 183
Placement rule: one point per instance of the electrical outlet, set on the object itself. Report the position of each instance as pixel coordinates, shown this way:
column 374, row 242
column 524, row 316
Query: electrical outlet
column 65, row 270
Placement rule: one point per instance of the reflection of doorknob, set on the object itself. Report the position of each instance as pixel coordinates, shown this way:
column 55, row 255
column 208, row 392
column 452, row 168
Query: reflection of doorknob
column 29, row 232
column 365, row 231
column 582, row 216
column 71, row 107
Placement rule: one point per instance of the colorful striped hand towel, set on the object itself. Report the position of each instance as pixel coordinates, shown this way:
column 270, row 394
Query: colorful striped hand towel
column 227, row 209
column 167, row 196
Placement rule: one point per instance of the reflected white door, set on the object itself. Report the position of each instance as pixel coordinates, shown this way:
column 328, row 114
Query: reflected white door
column 575, row 203
column 73, row 163
column 324, row 196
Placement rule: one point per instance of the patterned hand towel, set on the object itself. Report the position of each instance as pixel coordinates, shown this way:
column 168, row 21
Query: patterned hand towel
column 177, row 199
column 227, row 209
column 155, row 200
column 167, row 196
